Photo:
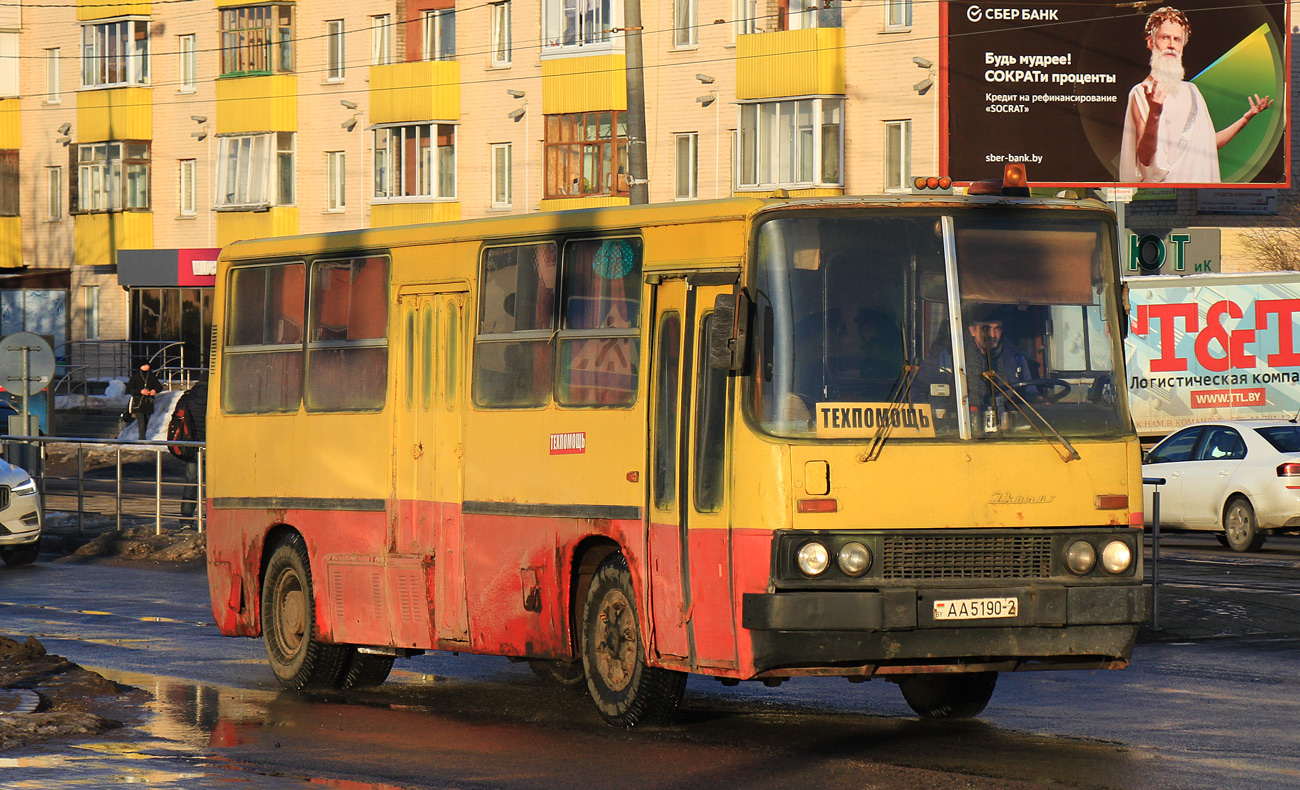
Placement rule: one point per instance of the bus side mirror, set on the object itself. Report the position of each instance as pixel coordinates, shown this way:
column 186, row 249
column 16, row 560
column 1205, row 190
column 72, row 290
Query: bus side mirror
column 729, row 330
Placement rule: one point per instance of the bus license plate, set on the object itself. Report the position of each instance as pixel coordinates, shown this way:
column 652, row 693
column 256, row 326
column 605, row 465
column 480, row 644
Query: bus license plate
column 976, row 608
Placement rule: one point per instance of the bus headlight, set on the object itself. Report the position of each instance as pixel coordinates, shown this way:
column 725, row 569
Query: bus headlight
column 1080, row 557
column 813, row 558
column 1116, row 557
column 854, row 559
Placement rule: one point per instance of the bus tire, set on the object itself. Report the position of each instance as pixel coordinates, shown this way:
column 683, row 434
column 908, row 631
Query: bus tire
column 565, row 674
column 364, row 670
column 626, row 690
column 298, row 659
column 955, row 696
column 1240, row 527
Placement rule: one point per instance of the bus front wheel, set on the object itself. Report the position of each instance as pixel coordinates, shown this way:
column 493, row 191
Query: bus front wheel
column 955, row 696
column 298, row 658
column 625, row 689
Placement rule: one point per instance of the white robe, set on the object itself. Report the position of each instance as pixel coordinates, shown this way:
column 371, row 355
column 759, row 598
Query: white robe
column 1186, row 153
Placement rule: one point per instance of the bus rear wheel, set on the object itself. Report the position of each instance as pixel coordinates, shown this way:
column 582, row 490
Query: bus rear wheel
column 298, row 658
column 956, row 696
column 626, row 690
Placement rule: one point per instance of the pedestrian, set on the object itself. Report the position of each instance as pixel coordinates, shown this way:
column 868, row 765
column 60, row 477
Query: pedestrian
column 142, row 386
column 195, row 404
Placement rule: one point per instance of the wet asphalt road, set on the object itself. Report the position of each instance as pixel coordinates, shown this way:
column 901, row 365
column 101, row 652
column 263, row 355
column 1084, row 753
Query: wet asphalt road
column 1210, row 701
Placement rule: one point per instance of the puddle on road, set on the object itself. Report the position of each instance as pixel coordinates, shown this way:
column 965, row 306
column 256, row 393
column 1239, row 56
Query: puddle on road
column 175, row 745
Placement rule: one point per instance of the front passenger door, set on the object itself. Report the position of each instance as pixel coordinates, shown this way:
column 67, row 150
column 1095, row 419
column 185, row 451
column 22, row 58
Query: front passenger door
column 1170, row 460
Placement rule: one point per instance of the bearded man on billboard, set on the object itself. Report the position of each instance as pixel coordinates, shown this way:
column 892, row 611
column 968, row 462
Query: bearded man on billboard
column 1168, row 134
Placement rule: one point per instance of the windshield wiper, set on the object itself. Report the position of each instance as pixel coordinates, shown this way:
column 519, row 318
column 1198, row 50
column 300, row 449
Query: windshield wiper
column 1037, row 420
column 897, row 397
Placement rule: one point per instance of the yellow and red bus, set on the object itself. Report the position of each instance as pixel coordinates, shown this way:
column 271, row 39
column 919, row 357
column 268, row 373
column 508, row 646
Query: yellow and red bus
column 748, row 438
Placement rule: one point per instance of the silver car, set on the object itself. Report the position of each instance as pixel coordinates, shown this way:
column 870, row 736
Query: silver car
column 1240, row 479
column 20, row 516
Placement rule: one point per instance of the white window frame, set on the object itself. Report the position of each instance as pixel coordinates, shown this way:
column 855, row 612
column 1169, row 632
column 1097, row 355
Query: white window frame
column 436, row 23
column 573, row 26
column 106, row 44
column 336, row 181
column 335, row 51
column 898, row 15
column 9, row 82
column 502, row 40
column 898, row 155
column 433, row 175
column 54, row 194
column 686, row 23
column 53, row 75
column 381, row 39
column 748, row 14
column 687, row 145
column 90, row 311
column 187, row 50
column 187, row 201
column 501, row 178
column 248, row 168
column 105, row 176
column 787, row 143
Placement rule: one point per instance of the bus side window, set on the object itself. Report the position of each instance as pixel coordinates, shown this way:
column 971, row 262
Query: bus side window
column 710, row 433
column 347, row 347
column 513, row 351
column 599, row 341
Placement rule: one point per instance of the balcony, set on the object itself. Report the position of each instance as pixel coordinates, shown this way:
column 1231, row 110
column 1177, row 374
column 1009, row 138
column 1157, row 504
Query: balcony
column 807, row 62
column 246, row 105
column 424, row 90
column 115, row 114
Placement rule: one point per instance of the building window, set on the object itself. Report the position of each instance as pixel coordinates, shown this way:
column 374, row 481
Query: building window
column 415, row 161
column 898, row 14
column 334, row 57
column 578, row 23
column 685, row 22
column 438, row 31
column 790, row 143
column 54, row 193
column 115, row 53
column 188, row 52
column 748, row 17
column 9, row 62
column 501, row 36
column 336, row 181
column 898, row 154
column 686, row 166
column 257, row 39
column 256, row 170
column 188, row 190
column 381, row 40
column 502, row 175
column 803, row 14
column 586, row 154
column 9, row 203
column 112, row 176
column 90, row 310
column 53, row 76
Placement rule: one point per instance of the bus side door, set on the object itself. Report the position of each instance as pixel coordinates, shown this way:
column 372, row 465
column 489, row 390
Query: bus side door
column 690, row 537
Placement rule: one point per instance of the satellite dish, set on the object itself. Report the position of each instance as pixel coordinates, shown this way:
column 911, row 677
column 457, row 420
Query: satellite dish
column 26, row 363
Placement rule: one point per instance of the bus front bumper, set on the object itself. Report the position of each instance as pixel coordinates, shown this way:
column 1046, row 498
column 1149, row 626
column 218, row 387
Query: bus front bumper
column 1053, row 625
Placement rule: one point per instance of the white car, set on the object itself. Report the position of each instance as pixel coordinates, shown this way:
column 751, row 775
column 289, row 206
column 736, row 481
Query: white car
column 1239, row 478
column 20, row 516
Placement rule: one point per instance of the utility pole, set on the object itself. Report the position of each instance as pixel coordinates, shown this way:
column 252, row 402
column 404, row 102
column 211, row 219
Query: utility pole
column 638, row 185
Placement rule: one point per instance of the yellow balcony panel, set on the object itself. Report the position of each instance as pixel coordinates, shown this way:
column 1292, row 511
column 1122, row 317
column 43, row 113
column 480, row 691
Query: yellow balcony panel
column 812, row 192
column 790, row 63
column 421, row 91
column 11, row 242
column 240, row 225
column 98, row 237
column 10, row 129
column 107, row 9
column 384, row 215
column 115, row 114
column 257, row 104
column 592, row 201
column 586, row 84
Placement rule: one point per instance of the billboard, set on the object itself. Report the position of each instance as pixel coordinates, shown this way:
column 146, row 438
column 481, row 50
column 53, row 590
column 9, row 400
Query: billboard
column 1059, row 87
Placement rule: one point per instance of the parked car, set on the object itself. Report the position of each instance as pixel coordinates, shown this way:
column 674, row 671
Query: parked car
column 1240, row 479
column 20, row 516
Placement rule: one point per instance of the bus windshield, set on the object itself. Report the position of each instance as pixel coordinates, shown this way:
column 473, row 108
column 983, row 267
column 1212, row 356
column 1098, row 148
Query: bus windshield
column 854, row 328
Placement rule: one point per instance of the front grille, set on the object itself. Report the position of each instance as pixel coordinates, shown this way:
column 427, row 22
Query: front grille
column 966, row 557
column 4, row 497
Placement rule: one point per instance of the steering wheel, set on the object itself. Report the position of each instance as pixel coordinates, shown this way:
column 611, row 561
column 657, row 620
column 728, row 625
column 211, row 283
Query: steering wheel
column 1049, row 390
